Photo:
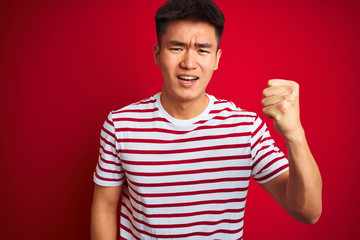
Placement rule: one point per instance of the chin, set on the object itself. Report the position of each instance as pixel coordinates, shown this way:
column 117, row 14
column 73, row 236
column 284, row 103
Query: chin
column 189, row 96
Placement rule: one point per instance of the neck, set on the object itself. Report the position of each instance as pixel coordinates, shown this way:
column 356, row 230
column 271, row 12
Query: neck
column 184, row 109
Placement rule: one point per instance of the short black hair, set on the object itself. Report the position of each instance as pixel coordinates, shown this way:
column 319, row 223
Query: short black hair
column 195, row 10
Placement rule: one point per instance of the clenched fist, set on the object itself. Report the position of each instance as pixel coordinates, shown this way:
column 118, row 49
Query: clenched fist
column 281, row 102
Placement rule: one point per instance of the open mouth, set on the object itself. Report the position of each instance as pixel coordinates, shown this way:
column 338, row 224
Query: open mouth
column 187, row 79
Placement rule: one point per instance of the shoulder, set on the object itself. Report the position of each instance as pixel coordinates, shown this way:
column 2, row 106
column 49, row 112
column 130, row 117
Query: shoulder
column 147, row 105
column 226, row 107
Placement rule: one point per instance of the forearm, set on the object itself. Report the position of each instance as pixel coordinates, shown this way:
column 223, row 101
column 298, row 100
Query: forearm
column 304, row 187
column 103, row 224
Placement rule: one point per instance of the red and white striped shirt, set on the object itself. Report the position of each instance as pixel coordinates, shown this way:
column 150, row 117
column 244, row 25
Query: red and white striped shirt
column 185, row 179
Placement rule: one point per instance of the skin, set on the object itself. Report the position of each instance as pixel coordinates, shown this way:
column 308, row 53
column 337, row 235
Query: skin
column 299, row 190
column 104, row 220
column 187, row 48
column 190, row 49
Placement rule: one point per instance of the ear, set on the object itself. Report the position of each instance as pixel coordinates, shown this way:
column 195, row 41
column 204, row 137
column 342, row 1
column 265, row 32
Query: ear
column 156, row 50
column 218, row 56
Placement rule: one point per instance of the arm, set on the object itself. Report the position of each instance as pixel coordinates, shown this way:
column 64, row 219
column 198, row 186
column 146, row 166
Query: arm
column 104, row 212
column 299, row 190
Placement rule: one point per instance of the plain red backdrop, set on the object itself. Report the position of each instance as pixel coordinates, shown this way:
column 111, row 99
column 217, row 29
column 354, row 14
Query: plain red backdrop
column 65, row 64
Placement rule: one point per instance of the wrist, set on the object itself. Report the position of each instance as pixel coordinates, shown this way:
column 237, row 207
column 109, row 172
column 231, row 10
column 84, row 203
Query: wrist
column 295, row 137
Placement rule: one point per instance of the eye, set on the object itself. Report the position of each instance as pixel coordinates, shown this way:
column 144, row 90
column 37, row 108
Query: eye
column 202, row 51
column 175, row 49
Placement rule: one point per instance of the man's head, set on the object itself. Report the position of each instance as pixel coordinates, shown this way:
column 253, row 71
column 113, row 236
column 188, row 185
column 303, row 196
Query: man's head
column 194, row 10
column 188, row 53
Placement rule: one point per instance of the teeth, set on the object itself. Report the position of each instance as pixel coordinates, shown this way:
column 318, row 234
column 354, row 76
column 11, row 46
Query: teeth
column 188, row 78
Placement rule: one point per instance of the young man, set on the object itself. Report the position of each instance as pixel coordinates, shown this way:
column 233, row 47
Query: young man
column 180, row 161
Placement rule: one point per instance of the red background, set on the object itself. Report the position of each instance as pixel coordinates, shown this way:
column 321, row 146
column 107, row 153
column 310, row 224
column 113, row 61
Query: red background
column 65, row 64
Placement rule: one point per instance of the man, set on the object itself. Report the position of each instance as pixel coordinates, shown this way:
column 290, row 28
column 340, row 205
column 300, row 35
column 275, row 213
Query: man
column 180, row 161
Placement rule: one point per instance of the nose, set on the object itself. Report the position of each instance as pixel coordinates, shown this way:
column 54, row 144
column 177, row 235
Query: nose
column 189, row 60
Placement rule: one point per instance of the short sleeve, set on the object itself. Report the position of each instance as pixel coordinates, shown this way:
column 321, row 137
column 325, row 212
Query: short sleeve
column 268, row 161
column 108, row 170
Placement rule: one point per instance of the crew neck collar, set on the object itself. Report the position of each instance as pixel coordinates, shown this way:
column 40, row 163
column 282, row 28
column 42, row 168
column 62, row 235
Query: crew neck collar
column 184, row 122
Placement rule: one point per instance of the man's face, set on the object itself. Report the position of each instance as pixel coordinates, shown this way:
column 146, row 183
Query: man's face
column 187, row 57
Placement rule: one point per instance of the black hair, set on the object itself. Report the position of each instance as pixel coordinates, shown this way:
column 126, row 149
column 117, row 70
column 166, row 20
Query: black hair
column 195, row 10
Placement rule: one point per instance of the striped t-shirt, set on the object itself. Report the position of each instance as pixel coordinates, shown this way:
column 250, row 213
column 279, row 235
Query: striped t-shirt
column 185, row 179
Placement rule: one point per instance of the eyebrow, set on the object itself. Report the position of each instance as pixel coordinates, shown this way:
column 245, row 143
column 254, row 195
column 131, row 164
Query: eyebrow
column 203, row 45
column 176, row 43
column 182, row 44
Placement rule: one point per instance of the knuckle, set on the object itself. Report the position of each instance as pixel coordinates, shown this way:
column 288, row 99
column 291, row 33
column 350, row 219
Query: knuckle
column 264, row 92
column 263, row 102
column 288, row 89
column 266, row 112
column 290, row 98
column 283, row 107
column 293, row 90
column 295, row 85
column 271, row 82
